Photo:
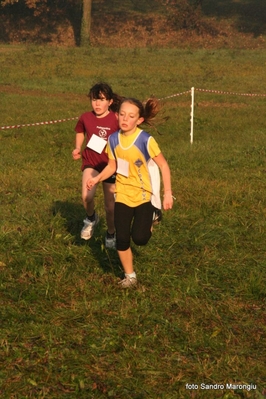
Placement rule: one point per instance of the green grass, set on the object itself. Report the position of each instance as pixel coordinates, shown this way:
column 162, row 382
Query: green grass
column 198, row 314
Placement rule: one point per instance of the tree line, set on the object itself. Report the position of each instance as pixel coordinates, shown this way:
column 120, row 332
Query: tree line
column 79, row 12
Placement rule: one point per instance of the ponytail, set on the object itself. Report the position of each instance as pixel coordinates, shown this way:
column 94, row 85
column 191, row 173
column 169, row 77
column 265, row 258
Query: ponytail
column 117, row 100
column 151, row 109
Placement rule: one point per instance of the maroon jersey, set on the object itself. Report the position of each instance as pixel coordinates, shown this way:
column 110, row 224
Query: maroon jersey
column 89, row 124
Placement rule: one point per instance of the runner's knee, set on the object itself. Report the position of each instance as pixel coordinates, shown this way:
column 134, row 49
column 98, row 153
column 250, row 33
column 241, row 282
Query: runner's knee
column 141, row 238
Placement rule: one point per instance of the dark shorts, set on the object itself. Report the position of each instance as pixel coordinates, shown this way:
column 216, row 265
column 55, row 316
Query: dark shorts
column 110, row 179
column 132, row 222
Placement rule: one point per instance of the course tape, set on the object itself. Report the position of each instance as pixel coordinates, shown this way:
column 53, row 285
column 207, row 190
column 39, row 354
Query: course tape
column 38, row 123
column 175, row 95
column 231, row 93
column 163, row 98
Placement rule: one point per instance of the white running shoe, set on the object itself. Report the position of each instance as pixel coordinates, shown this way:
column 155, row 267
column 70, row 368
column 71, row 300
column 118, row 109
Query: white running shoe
column 128, row 282
column 110, row 242
column 88, row 228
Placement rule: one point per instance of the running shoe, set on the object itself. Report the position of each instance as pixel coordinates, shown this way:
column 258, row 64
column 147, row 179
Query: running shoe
column 110, row 241
column 157, row 216
column 128, row 282
column 88, row 228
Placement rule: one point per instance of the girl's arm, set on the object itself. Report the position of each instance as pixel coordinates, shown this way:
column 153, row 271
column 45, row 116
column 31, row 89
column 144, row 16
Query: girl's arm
column 166, row 177
column 108, row 171
column 76, row 153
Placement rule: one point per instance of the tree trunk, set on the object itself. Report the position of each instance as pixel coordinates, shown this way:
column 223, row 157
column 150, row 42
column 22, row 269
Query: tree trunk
column 86, row 23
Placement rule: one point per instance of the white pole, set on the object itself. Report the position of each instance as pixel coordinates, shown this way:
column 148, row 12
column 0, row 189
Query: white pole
column 192, row 115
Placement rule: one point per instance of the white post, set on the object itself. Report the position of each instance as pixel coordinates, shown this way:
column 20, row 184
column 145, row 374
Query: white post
column 192, row 115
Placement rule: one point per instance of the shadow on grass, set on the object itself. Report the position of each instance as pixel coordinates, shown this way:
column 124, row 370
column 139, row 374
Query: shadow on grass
column 73, row 215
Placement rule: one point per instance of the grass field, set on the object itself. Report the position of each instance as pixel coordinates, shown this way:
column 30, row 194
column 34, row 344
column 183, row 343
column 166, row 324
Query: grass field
column 198, row 314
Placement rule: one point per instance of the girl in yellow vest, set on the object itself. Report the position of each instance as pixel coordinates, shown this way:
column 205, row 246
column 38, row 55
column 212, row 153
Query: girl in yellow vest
column 133, row 154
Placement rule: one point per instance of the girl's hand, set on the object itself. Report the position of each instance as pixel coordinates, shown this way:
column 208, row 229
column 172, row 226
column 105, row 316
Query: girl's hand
column 76, row 154
column 167, row 201
column 91, row 183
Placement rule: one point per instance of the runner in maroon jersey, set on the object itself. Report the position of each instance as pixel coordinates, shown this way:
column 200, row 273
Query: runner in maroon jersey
column 94, row 128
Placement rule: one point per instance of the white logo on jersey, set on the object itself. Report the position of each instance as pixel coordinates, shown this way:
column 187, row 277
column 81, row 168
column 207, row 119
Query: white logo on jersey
column 102, row 133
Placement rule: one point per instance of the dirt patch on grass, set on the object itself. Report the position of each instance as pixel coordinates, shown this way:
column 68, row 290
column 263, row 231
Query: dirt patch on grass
column 10, row 89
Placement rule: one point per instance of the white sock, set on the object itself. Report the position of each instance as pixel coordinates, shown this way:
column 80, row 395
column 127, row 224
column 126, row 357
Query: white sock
column 131, row 275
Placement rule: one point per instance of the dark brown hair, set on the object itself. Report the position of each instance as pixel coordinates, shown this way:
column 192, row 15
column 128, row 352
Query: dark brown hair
column 103, row 89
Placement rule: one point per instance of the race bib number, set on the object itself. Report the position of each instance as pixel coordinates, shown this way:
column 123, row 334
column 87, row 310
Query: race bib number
column 122, row 167
column 96, row 143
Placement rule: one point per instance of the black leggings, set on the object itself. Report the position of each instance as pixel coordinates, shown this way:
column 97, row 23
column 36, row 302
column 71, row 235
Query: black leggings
column 140, row 229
